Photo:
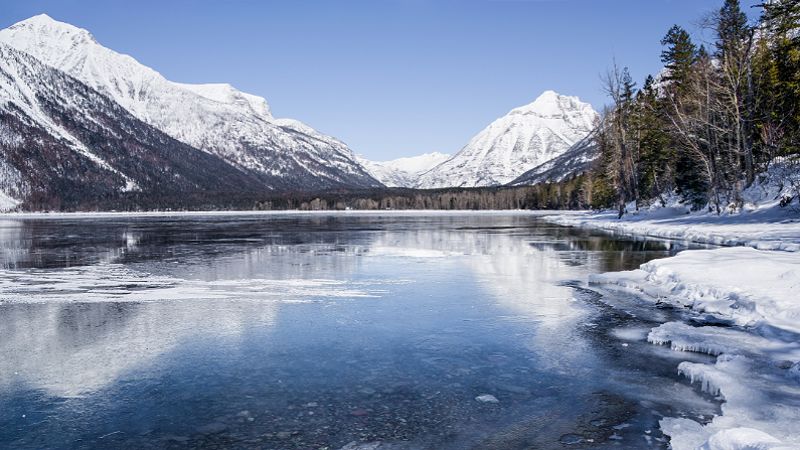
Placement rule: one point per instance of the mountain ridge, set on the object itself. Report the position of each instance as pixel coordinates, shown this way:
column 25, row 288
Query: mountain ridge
column 214, row 118
column 522, row 139
column 403, row 172
column 67, row 146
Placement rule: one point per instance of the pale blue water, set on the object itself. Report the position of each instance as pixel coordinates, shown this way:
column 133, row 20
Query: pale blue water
column 322, row 331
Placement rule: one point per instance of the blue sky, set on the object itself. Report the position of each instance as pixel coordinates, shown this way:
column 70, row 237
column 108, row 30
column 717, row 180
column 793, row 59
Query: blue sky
column 391, row 78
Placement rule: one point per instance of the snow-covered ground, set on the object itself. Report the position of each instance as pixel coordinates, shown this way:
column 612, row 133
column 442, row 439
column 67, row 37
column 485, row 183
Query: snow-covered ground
column 762, row 229
column 7, row 202
column 747, row 306
column 761, row 223
column 748, row 301
column 749, row 287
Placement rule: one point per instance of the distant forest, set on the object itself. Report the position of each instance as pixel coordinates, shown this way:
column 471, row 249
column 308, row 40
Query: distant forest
column 565, row 195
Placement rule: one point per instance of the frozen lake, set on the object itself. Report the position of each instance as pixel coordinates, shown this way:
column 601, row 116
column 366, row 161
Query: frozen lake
column 327, row 331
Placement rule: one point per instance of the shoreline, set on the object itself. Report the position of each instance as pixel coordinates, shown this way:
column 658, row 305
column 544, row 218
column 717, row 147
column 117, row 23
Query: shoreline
column 748, row 319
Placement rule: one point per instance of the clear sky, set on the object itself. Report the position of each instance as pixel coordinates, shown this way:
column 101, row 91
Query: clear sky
column 391, row 78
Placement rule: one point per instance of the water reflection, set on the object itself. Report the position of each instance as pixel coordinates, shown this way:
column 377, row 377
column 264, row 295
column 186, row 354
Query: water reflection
column 389, row 326
column 74, row 349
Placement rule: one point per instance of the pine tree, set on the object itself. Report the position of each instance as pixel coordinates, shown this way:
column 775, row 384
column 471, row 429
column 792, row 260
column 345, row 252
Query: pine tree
column 686, row 112
column 656, row 154
column 779, row 66
column 678, row 55
column 733, row 53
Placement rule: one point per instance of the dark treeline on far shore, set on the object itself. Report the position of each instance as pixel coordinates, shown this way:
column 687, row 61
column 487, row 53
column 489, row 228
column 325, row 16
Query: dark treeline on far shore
column 569, row 194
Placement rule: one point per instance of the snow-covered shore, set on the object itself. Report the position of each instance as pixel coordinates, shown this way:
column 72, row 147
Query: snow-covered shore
column 757, row 370
column 746, row 299
column 771, row 228
column 741, row 285
column 760, row 222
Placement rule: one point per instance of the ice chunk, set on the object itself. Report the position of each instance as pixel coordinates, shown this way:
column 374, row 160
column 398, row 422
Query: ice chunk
column 487, row 398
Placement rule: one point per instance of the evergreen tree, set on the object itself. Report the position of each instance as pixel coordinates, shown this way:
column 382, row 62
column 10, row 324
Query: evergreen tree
column 678, row 55
column 656, row 154
column 779, row 74
column 733, row 53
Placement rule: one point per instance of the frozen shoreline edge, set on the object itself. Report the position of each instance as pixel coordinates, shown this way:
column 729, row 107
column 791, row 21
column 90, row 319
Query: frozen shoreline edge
column 741, row 366
column 293, row 212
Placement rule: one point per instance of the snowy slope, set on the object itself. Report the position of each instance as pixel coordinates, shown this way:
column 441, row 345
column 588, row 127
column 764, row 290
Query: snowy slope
column 215, row 118
column 65, row 145
column 403, row 172
column 712, row 281
column 519, row 141
column 578, row 159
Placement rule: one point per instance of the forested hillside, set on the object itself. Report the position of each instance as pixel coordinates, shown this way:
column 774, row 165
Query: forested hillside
column 717, row 116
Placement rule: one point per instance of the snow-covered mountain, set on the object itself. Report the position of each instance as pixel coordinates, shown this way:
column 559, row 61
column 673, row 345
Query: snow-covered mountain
column 403, row 172
column 580, row 158
column 216, row 118
column 65, row 145
column 515, row 143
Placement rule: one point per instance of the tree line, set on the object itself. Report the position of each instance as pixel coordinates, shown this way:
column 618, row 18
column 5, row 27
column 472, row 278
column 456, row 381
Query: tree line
column 715, row 118
column 565, row 195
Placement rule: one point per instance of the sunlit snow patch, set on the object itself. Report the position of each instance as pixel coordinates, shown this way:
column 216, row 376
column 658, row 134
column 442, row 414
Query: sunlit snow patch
column 757, row 369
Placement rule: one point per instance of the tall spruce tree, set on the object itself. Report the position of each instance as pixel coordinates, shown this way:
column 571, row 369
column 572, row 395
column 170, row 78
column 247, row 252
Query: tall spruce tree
column 780, row 66
column 678, row 55
column 686, row 114
column 733, row 54
column 655, row 153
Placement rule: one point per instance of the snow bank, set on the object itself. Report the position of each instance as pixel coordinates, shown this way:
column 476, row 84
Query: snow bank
column 747, row 286
column 775, row 229
column 757, row 367
column 761, row 223
column 761, row 406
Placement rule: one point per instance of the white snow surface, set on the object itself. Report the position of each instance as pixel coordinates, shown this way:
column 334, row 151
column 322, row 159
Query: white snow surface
column 7, row 202
column 215, row 118
column 403, row 172
column 757, row 369
column 515, row 143
column 748, row 286
column 761, row 223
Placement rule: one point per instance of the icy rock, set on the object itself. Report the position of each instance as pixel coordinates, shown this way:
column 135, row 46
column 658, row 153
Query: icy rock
column 487, row 398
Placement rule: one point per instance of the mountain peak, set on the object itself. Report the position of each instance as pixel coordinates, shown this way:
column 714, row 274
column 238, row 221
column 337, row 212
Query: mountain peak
column 524, row 138
column 44, row 26
column 552, row 104
column 547, row 95
column 38, row 18
column 216, row 118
